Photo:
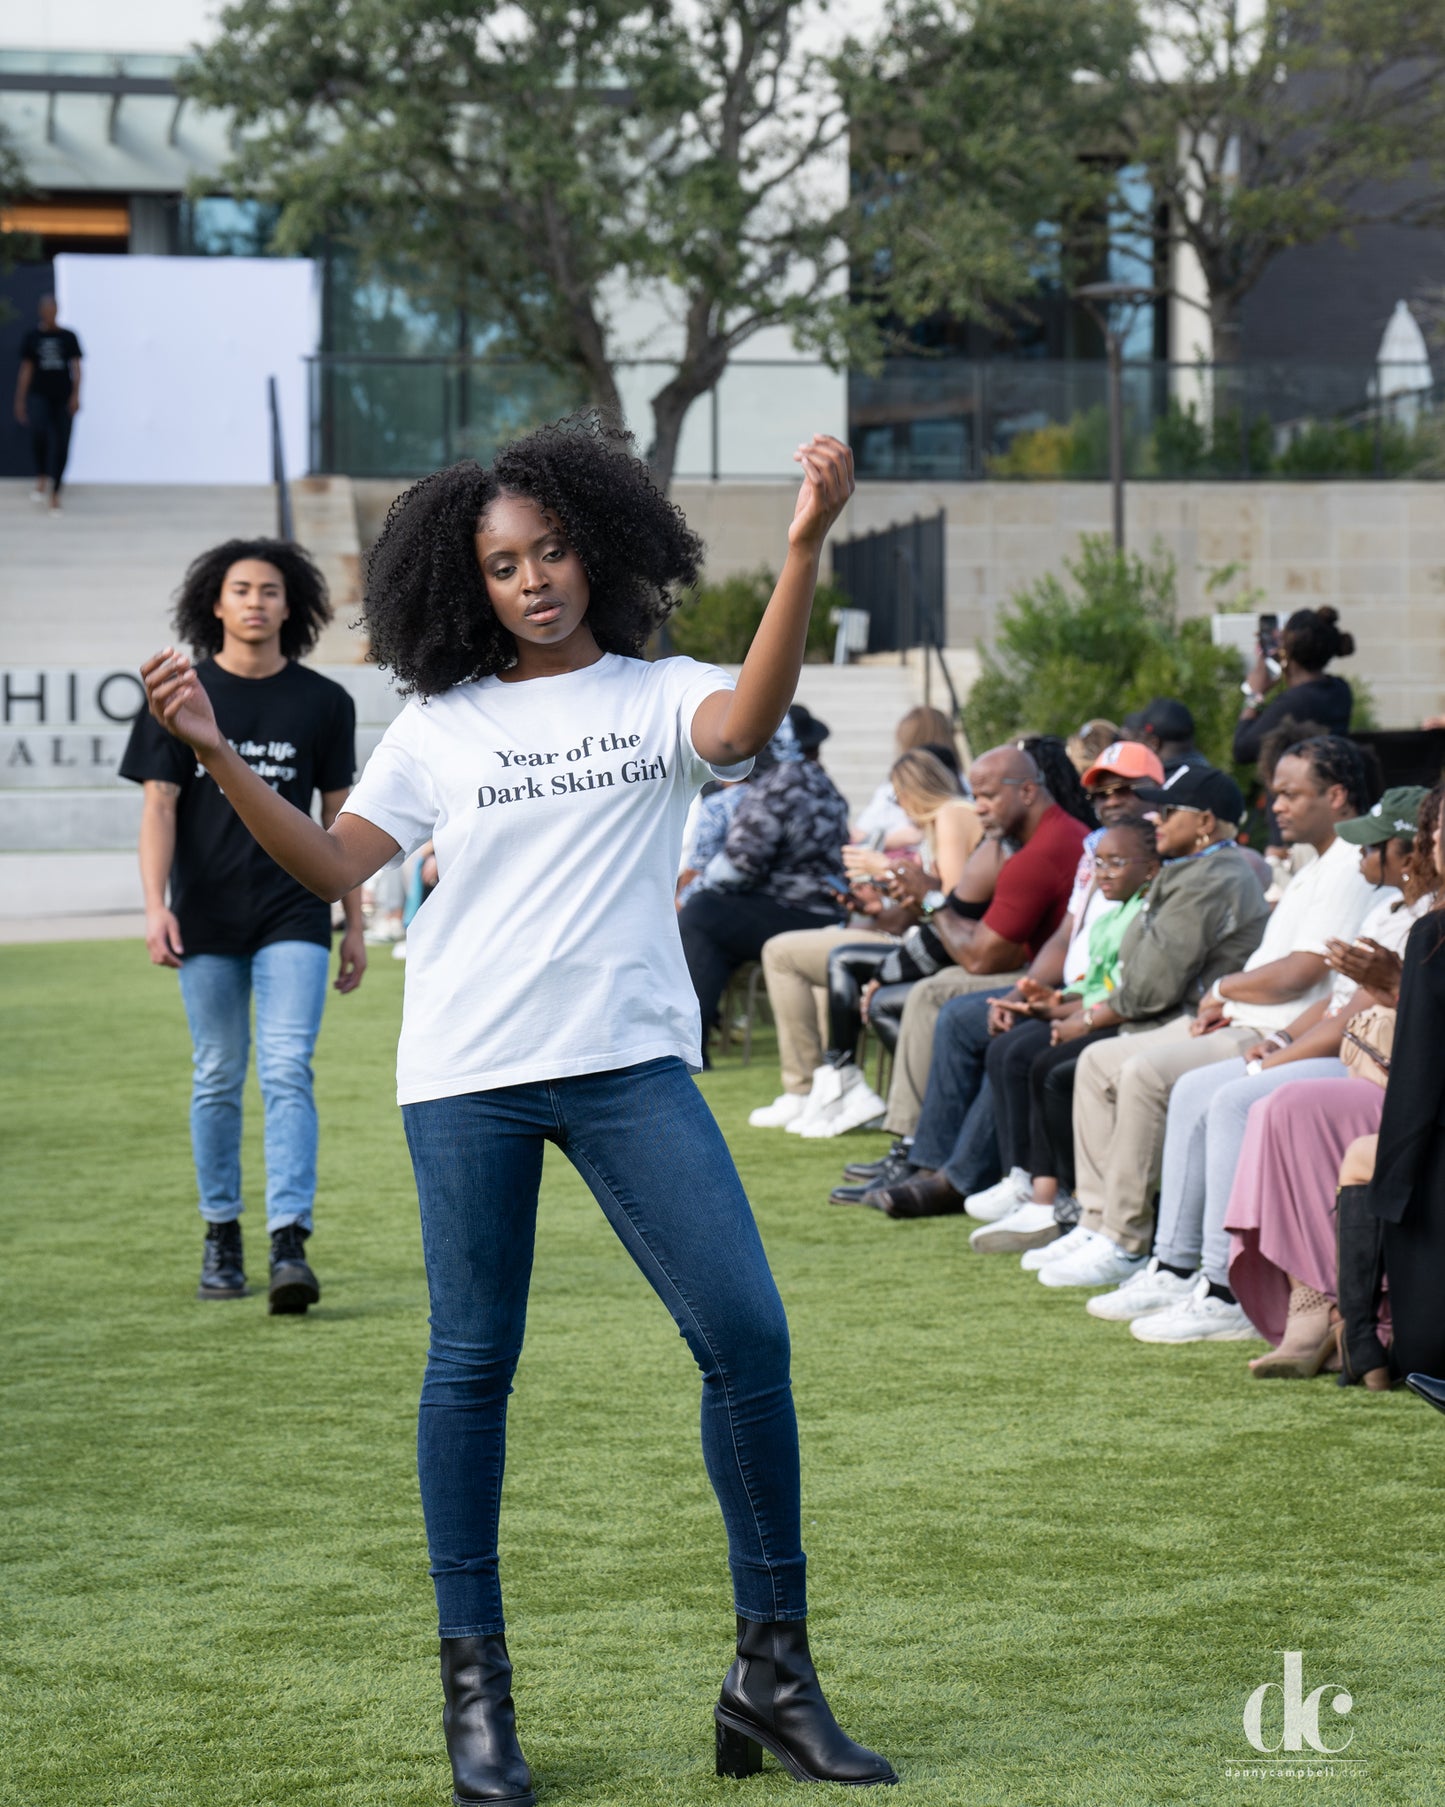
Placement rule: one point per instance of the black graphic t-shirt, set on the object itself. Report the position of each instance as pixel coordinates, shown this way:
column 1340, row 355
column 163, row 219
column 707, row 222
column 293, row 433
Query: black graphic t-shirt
column 297, row 730
column 51, row 353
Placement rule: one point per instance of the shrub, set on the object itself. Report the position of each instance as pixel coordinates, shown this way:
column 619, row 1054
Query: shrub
column 1104, row 643
column 718, row 621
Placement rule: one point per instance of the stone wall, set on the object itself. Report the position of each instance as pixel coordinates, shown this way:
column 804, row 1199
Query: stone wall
column 1374, row 550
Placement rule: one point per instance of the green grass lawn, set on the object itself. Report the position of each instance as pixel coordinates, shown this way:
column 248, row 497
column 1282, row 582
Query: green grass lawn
column 1047, row 1565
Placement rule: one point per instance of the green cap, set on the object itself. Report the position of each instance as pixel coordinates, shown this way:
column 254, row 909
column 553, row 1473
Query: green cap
column 1396, row 817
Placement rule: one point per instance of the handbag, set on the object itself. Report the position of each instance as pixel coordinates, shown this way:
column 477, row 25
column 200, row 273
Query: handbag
column 1368, row 1043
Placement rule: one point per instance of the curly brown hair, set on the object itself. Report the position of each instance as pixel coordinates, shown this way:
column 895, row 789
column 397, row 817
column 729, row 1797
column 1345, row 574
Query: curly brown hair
column 427, row 611
column 308, row 607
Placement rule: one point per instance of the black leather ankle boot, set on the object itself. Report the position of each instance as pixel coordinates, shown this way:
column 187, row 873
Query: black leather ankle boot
column 223, row 1271
column 293, row 1285
column 481, row 1724
column 771, row 1700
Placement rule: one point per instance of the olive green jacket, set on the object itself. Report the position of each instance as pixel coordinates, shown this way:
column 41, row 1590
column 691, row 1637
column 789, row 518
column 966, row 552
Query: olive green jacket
column 1201, row 918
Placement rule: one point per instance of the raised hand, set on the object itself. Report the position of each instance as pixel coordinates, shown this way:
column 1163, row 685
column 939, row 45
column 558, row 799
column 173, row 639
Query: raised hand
column 827, row 484
column 179, row 702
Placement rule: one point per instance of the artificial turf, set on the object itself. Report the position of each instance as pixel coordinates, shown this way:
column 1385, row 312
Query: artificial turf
column 1047, row 1565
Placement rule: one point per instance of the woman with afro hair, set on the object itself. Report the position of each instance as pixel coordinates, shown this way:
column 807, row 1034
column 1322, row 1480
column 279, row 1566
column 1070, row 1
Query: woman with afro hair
column 547, row 1000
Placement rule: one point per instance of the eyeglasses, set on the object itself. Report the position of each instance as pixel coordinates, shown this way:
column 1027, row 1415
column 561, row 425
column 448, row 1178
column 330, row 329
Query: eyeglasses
column 1173, row 809
column 1112, row 863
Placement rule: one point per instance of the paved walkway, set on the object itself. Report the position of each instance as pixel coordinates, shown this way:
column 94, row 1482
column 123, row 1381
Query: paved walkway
column 120, row 926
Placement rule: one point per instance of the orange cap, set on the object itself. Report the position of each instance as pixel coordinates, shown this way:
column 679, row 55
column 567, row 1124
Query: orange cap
column 1125, row 759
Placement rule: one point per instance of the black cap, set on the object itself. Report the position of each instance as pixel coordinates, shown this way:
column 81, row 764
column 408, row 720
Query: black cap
column 810, row 731
column 1196, row 787
column 1167, row 717
column 1132, row 725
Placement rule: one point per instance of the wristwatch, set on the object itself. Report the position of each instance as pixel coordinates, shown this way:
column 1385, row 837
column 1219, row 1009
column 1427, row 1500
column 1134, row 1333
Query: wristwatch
column 934, row 900
column 1252, row 697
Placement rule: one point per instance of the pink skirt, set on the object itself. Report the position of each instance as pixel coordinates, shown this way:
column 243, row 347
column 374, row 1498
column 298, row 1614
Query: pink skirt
column 1281, row 1215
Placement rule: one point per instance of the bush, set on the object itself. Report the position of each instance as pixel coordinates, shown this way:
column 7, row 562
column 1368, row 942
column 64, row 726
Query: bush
column 1104, row 644
column 718, row 621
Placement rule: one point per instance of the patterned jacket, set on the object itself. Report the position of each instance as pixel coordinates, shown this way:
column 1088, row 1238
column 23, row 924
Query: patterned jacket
column 786, row 839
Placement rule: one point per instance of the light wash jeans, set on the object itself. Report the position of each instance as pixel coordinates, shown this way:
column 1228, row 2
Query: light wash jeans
column 288, row 979
column 1208, row 1114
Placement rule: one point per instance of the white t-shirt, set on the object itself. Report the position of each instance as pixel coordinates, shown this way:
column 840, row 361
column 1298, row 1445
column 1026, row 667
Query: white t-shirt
column 550, row 946
column 1388, row 925
column 1328, row 899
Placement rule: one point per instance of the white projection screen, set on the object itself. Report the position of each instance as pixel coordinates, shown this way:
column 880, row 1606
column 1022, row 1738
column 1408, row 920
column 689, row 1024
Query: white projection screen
column 177, row 353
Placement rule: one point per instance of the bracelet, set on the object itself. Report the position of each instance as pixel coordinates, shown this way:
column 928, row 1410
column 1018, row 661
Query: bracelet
column 1281, row 1038
column 1089, row 1016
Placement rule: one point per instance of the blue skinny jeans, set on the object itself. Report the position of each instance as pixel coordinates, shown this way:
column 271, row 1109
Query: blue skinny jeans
column 288, row 982
column 647, row 1146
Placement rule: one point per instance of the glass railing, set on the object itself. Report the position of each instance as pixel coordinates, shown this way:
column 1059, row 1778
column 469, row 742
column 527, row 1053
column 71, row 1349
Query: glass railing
column 944, row 419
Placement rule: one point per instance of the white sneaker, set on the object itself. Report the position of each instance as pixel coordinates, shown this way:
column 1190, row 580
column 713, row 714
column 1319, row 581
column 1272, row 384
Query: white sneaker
column 398, row 951
column 1197, row 1319
column 1151, row 1289
column 780, row 1112
column 857, row 1107
column 1102, row 1263
column 827, row 1088
column 995, row 1202
column 1077, row 1238
column 1027, row 1226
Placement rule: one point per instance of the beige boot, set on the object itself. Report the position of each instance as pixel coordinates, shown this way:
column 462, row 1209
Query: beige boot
column 1309, row 1336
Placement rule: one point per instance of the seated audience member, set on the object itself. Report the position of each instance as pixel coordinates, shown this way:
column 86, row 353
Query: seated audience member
column 1037, row 806
column 1085, row 744
column 778, row 870
column 1026, row 1066
column 1166, row 727
column 1184, row 1293
column 884, row 822
column 949, row 1038
column 1310, row 640
column 1407, row 1192
column 1202, row 916
column 840, row 1098
column 1281, row 1207
column 795, row 965
column 707, row 833
column 1122, row 1087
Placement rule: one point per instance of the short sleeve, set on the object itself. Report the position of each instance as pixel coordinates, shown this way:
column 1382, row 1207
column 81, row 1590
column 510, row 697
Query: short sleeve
column 395, row 793
column 1018, row 905
column 73, row 350
column 153, row 755
column 336, row 758
column 695, row 683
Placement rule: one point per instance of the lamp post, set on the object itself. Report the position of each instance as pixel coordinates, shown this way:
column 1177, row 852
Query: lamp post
column 1102, row 299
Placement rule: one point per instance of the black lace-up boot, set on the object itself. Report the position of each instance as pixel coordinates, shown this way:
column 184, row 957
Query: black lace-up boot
column 771, row 1700
column 293, row 1285
column 223, row 1273
column 481, row 1725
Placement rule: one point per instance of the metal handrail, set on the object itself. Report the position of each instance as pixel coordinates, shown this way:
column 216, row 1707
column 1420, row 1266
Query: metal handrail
column 285, row 522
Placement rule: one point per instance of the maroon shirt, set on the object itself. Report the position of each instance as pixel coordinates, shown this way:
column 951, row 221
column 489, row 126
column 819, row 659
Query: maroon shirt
column 1034, row 886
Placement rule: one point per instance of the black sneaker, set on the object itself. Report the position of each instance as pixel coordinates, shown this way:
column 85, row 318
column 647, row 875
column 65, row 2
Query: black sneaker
column 293, row 1285
column 892, row 1170
column 870, row 1170
column 223, row 1272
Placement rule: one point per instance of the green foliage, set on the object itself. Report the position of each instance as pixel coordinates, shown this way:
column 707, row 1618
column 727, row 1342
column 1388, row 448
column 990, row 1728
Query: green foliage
column 719, row 620
column 1101, row 644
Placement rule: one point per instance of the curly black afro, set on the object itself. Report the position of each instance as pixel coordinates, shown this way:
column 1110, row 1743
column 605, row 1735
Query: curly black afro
column 195, row 611
column 427, row 611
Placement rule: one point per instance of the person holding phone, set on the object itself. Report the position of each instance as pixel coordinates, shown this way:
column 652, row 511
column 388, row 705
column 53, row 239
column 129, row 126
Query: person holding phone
column 1295, row 658
column 548, row 1000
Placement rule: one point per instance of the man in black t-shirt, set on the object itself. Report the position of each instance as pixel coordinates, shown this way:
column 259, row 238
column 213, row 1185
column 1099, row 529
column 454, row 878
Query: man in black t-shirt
column 47, row 396
column 237, row 926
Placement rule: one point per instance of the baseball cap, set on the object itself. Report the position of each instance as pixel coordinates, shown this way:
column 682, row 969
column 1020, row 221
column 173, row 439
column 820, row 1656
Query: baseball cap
column 1395, row 817
column 1197, row 787
column 1167, row 717
column 1125, row 759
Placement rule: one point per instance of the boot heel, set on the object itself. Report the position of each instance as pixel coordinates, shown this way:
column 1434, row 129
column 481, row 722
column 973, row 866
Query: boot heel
column 737, row 1754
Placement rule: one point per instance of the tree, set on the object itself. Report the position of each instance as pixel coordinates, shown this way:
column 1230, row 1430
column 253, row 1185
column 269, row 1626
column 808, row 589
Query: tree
column 533, row 161
column 15, row 247
column 1264, row 124
column 977, row 128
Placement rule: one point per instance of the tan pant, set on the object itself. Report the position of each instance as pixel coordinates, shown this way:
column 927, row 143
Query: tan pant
column 914, row 1055
column 795, row 967
column 1121, row 1100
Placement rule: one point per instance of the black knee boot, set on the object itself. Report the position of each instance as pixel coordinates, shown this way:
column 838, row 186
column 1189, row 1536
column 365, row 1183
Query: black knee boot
column 771, row 1700
column 481, row 1725
column 1360, row 1261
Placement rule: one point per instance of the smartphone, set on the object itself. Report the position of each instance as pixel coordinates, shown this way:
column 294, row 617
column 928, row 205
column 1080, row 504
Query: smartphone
column 1269, row 643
